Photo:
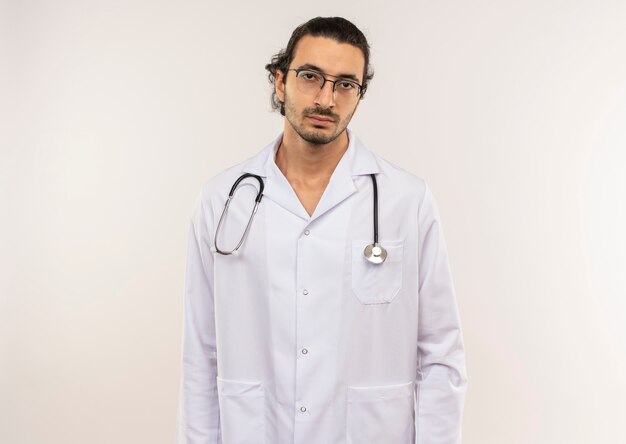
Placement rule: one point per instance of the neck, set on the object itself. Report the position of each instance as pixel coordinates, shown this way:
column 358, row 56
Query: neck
column 297, row 158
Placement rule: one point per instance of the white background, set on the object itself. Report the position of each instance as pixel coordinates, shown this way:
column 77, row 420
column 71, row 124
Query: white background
column 113, row 113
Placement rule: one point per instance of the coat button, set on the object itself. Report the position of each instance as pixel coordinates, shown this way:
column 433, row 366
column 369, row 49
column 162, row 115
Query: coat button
column 305, row 292
column 304, row 351
column 303, row 409
column 307, row 232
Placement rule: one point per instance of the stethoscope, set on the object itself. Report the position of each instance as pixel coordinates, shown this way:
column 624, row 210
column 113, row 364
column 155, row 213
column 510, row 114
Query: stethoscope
column 375, row 253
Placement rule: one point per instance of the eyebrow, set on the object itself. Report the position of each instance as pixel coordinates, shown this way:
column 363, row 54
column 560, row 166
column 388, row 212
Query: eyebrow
column 340, row 76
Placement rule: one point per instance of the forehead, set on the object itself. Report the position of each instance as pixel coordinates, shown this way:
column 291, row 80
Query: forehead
column 331, row 56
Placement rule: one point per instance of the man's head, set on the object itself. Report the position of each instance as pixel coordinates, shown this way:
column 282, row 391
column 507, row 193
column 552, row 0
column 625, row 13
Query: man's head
column 322, row 73
column 335, row 28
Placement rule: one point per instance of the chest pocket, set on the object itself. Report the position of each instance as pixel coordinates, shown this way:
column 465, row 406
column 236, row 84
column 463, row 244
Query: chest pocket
column 377, row 283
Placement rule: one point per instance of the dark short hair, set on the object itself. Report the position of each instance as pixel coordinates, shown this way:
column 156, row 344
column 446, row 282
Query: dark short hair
column 336, row 28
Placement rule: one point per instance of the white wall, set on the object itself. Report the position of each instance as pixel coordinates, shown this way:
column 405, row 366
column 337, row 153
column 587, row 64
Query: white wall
column 113, row 113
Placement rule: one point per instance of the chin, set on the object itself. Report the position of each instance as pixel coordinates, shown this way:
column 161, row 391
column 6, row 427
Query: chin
column 319, row 135
column 317, row 138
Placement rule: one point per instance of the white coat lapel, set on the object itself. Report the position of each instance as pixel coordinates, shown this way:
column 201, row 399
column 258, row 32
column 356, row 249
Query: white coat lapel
column 340, row 186
column 356, row 161
column 277, row 188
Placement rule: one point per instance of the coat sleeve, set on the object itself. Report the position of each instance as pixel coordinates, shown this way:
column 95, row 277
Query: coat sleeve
column 198, row 408
column 441, row 376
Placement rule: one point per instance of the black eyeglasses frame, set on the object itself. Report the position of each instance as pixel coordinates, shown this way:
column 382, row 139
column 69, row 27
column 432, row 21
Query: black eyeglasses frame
column 334, row 82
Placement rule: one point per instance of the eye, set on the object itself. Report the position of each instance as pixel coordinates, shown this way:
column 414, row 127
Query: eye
column 308, row 75
column 346, row 85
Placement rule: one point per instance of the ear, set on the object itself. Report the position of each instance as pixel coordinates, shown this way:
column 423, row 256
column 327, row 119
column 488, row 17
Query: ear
column 279, row 85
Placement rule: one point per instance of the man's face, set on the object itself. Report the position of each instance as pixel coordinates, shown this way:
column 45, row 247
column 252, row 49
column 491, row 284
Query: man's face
column 321, row 116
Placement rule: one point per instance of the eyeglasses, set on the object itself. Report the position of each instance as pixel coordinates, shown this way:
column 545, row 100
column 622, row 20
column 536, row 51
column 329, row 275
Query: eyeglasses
column 311, row 82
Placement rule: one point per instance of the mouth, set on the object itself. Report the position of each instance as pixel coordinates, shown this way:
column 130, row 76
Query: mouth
column 320, row 120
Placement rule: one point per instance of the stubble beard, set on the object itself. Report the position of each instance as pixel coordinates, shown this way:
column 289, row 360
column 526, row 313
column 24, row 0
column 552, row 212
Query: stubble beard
column 314, row 137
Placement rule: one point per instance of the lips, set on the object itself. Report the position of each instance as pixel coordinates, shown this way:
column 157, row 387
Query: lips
column 321, row 118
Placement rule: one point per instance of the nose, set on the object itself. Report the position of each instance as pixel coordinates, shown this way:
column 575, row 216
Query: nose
column 325, row 97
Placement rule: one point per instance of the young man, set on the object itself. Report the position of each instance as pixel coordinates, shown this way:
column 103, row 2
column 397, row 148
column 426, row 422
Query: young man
column 335, row 321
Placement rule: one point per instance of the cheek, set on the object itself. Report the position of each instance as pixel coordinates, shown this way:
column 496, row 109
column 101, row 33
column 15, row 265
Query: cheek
column 290, row 100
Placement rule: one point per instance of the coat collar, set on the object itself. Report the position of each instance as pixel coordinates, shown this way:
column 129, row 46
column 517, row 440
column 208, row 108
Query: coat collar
column 356, row 161
column 359, row 159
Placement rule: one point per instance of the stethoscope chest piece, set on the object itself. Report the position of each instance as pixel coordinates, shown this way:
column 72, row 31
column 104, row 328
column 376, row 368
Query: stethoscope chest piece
column 375, row 254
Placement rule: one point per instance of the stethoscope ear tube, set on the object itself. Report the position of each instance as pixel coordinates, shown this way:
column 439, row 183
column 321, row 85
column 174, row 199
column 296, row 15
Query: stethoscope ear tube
column 259, row 196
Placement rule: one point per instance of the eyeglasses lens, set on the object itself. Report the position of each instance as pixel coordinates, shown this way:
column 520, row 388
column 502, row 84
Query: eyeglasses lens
column 310, row 83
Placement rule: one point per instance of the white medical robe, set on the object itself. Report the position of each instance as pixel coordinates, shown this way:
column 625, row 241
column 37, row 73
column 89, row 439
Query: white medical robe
column 299, row 339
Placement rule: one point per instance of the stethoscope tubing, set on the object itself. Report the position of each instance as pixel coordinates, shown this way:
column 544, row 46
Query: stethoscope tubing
column 257, row 201
column 373, row 253
column 375, row 186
